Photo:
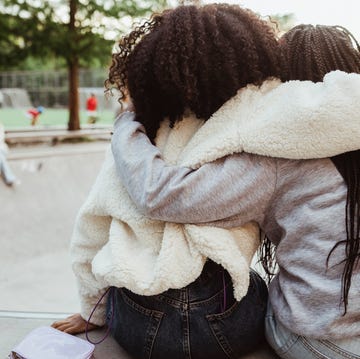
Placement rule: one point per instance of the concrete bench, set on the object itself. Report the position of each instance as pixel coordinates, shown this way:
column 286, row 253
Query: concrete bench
column 13, row 329
column 16, row 137
column 40, row 128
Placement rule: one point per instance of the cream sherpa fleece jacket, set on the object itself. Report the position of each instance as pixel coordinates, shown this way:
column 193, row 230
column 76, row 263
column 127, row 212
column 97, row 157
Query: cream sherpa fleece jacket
column 115, row 245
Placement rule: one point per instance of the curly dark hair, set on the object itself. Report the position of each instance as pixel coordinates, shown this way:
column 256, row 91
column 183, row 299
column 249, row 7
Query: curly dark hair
column 309, row 53
column 192, row 58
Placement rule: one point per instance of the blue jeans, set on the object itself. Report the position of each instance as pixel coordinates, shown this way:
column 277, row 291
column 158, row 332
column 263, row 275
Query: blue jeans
column 195, row 322
column 289, row 345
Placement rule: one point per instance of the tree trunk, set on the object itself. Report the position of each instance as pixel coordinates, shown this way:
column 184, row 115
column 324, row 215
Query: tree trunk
column 74, row 118
column 73, row 68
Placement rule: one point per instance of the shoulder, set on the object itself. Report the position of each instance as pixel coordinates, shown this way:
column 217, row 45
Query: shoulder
column 319, row 172
column 249, row 167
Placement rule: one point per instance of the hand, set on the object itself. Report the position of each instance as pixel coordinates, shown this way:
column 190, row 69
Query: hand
column 75, row 324
column 128, row 104
column 130, row 107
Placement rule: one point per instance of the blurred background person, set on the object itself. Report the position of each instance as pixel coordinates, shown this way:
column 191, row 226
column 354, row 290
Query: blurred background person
column 34, row 113
column 91, row 108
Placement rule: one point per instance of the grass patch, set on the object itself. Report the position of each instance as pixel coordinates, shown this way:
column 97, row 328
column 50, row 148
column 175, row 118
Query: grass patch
column 50, row 117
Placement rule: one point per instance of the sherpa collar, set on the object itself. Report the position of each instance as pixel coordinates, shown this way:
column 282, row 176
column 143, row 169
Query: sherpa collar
column 266, row 121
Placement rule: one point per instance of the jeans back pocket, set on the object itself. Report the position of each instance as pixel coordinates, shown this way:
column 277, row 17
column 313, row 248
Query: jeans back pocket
column 134, row 327
column 240, row 329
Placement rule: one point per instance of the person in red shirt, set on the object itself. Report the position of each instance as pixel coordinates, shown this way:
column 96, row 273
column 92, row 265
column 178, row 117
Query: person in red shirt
column 91, row 108
column 34, row 114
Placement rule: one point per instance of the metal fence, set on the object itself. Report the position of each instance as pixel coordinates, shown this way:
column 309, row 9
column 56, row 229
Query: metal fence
column 49, row 88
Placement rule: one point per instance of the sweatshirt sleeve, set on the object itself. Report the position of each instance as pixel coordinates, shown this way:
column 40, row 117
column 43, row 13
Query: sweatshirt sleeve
column 234, row 186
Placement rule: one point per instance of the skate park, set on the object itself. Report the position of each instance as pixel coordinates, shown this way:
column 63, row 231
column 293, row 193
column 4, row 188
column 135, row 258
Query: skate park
column 57, row 144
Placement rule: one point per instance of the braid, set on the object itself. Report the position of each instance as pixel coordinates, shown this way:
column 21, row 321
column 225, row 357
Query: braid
column 267, row 257
column 309, row 52
column 328, row 48
column 321, row 63
column 348, row 164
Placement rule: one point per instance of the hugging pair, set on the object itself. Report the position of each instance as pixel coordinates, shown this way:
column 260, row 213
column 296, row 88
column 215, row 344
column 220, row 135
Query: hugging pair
column 244, row 158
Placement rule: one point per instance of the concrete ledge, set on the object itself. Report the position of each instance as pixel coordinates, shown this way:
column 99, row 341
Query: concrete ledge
column 39, row 128
column 59, row 151
column 55, row 135
column 14, row 329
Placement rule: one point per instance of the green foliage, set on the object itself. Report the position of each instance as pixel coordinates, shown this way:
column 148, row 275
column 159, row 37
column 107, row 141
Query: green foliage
column 32, row 31
column 283, row 22
column 38, row 30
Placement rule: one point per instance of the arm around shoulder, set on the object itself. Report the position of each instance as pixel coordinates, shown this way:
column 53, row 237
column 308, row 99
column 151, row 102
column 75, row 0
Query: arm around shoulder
column 307, row 120
column 214, row 192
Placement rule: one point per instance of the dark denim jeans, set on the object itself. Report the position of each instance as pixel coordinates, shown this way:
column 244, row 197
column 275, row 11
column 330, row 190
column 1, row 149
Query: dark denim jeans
column 191, row 323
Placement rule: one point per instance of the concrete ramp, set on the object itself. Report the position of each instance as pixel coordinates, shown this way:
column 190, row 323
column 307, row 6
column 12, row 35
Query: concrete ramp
column 36, row 221
column 15, row 98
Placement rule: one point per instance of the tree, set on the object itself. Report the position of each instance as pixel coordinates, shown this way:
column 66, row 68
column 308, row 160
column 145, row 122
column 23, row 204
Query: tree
column 79, row 31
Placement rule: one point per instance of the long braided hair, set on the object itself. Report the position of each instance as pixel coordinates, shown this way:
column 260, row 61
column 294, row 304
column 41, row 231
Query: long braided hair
column 309, row 52
column 192, row 58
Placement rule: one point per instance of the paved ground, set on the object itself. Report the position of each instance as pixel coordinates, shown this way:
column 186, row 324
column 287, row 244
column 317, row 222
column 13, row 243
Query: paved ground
column 37, row 217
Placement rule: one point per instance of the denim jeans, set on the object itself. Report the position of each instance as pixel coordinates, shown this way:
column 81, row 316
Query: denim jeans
column 195, row 322
column 289, row 345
